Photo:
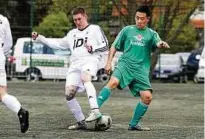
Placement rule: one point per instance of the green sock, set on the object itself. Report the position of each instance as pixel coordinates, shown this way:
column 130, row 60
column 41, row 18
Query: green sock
column 139, row 112
column 103, row 96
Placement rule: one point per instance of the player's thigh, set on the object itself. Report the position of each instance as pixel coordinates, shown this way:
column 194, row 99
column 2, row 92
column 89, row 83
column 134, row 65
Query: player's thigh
column 74, row 79
column 123, row 76
column 140, row 84
column 2, row 60
column 90, row 68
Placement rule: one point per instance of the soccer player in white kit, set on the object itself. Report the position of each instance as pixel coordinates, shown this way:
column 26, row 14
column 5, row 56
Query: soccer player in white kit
column 8, row 100
column 87, row 43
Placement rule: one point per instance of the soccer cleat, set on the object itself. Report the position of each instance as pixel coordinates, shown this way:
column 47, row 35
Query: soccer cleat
column 94, row 115
column 23, row 119
column 138, row 128
column 78, row 126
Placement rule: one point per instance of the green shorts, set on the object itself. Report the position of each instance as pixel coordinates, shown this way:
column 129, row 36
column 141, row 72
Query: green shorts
column 136, row 81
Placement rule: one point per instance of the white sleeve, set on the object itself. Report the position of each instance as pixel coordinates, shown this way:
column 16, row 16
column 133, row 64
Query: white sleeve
column 102, row 42
column 61, row 43
column 8, row 41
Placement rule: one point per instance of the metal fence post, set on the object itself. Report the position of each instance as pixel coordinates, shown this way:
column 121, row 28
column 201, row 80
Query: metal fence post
column 31, row 29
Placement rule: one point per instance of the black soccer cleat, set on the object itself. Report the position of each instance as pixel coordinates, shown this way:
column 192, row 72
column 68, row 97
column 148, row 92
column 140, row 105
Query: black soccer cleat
column 138, row 128
column 81, row 125
column 23, row 119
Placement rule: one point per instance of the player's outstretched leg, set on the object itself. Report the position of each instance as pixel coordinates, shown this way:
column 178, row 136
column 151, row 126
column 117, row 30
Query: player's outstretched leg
column 91, row 94
column 75, row 108
column 23, row 119
column 13, row 104
column 139, row 112
column 103, row 96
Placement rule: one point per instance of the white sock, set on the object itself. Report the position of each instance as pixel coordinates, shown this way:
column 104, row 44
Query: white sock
column 75, row 108
column 11, row 102
column 91, row 94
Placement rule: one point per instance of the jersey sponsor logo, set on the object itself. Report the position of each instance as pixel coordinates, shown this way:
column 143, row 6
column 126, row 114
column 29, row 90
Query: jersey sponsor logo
column 78, row 43
column 138, row 40
column 139, row 37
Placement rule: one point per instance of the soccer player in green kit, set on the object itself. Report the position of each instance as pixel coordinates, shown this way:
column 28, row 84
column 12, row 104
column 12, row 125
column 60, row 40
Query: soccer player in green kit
column 136, row 42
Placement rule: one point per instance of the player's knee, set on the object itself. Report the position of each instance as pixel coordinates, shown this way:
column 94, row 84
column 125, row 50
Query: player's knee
column 3, row 82
column 146, row 97
column 113, row 83
column 86, row 77
column 70, row 93
column 3, row 90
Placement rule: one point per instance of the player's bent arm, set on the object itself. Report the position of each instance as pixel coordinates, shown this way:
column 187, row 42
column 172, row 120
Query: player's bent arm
column 55, row 43
column 102, row 45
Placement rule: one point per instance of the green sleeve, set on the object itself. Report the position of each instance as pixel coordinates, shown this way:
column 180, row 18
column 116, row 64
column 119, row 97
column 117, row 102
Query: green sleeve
column 156, row 39
column 119, row 41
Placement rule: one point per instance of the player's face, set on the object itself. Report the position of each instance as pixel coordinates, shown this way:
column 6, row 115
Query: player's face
column 141, row 20
column 80, row 20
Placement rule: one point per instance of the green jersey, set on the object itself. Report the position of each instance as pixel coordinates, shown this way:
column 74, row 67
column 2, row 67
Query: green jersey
column 136, row 45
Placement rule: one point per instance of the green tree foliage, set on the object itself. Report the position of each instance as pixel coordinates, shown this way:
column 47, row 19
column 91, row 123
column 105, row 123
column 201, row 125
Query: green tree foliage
column 170, row 18
column 67, row 5
column 54, row 25
column 50, row 23
column 58, row 19
column 185, row 41
column 173, row 24
column 41, row 8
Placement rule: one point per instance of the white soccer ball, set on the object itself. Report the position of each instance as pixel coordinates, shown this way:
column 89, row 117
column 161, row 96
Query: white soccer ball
column 104, row 123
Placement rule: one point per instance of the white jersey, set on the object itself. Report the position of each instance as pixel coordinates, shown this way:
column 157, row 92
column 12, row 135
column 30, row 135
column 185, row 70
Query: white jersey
column 75, row 40
column 5, row 34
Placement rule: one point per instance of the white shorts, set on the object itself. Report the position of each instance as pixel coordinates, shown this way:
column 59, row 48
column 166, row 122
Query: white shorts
column 3, row 81
column 75, row 70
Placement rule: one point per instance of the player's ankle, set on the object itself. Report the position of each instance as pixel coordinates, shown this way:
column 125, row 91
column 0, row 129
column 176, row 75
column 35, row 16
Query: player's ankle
column 96, row 110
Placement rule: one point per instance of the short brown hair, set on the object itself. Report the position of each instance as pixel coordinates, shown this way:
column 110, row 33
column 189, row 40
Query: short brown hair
column 78, row 10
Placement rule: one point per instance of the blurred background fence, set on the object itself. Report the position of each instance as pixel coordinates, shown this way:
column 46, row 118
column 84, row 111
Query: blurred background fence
column 180, row 23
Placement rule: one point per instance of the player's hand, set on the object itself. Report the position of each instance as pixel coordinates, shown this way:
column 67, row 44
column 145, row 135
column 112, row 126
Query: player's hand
column 108, row 68
column 162, row 44
column 89, row 48
column 34, row 35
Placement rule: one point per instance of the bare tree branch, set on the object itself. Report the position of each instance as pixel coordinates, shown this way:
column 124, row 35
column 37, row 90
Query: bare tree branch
column 182, row 24
column 170, row 21
column 121, row 14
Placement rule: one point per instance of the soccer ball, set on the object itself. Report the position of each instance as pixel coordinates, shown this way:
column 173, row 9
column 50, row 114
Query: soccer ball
column 103, row 123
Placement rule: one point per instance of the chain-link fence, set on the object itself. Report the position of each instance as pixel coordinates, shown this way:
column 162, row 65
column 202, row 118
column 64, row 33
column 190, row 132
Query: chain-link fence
column 53, row 19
